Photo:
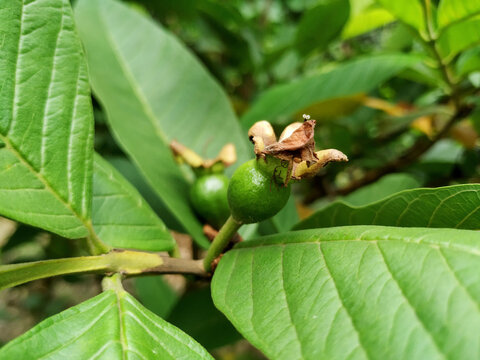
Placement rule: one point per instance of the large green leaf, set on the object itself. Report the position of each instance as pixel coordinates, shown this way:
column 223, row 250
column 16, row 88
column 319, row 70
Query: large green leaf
column 452, row 11
column 455, row 206
column 112, row 325
column 121, row 217
column 361, row 292
column 153, row 91
column 46, row 125
column 359, row 76
column 321, row 24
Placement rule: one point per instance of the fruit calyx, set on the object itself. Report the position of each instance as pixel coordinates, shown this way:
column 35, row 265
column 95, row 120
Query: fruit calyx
column 295, row 149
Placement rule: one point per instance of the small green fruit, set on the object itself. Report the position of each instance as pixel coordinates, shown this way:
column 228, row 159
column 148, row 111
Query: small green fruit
column 208, row 196
column 254, row 195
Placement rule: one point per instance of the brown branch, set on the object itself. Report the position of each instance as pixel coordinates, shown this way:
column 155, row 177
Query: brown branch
column 417, row 150
column 178, row 266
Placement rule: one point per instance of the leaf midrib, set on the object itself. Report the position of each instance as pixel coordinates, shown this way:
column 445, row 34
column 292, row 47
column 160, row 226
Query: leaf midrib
column 131, row 80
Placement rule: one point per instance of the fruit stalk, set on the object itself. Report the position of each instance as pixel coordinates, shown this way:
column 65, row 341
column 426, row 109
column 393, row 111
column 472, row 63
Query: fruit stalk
column 226, row 233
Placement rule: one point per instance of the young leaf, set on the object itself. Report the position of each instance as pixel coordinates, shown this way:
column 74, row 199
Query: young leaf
column 112, row 325
column 446, row 207
column 121, row 217
column 154, row 91
column 453, row 11
column 410, row 12
column 46, row 123
column 367, row 20
column 359, row 76
column 361, row 292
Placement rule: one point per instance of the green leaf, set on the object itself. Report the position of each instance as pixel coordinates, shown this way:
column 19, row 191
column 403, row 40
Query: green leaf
column 459, row 37
column 446, row 207
column 368, row 20
column 321, row 24
column 121, row 217
column 155, row 293
column 359, row 76
column 409, row 12
column 196, row 315
column 453, row 11
column 112, row 325
column 468, row 61
column 355, row 293
column 153, row 91
column 46, row 123
column 130, row 172
column 387, row 185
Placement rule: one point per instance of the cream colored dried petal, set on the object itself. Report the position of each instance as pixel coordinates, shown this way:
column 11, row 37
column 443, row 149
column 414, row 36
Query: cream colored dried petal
column 261, row 134
column 289, row 130
column 228, row 154
column 190, row 156
column 302, row 170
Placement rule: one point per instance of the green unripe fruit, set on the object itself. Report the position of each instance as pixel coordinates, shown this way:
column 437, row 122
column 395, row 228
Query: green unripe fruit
column 254, row 195
column 208, row 196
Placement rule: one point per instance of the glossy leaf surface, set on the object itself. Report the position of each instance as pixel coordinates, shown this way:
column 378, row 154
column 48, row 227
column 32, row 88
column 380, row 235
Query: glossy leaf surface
column 121, row 217
column 46, row 124
column 455, row 206
column 112, row 325
column 154, row 91
column 361, row 292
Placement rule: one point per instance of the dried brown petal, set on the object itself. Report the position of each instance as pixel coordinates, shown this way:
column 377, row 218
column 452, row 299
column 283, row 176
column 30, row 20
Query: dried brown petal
column 295, row 136
column 297, row 143
column 296, row 146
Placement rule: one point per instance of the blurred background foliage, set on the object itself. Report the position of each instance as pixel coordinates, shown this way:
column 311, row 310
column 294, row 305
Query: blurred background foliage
column 369, row 80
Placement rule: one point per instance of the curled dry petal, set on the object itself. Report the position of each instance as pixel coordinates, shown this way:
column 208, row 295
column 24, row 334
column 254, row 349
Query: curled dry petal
column 302, row 170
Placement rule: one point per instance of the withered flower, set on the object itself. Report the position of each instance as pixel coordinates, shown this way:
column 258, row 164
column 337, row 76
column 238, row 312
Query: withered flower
column 296, row 146
column 227, row 156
